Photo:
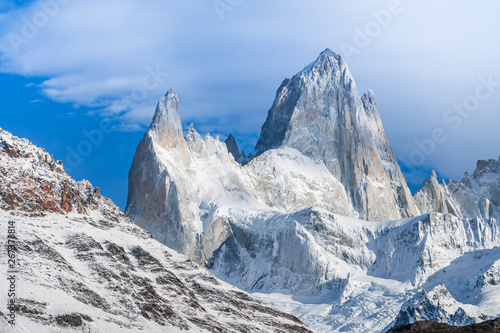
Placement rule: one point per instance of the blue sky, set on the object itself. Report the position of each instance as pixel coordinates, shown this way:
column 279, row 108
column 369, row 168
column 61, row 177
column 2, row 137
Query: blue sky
column 67, row 65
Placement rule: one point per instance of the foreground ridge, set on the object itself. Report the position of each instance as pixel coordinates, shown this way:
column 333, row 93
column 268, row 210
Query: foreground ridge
column 490, row 326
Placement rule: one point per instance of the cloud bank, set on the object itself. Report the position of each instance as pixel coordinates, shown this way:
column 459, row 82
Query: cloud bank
column 226, row 59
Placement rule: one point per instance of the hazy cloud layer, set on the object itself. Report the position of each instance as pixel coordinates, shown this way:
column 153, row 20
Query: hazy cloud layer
column 227, row 58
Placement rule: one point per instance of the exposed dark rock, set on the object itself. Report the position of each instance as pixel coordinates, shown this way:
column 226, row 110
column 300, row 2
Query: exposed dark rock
column 11, row 151
column 232, row 147
column 492, row 326
column 72, row 320
column 147, row 260
column 118, row 252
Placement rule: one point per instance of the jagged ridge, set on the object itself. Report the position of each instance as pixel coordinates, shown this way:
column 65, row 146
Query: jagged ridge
column 476, row 195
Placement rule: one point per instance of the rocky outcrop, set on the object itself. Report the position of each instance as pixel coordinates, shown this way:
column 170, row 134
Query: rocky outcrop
column 490, row 326
column 41, row 186
column 156, row 200
column 436, row 197
column 166, row 127
column 232, row 148
column 475, row 195
column 438, row 305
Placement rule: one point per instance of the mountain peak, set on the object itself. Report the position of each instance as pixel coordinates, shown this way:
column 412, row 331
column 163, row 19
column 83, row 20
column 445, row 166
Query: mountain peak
column 192, row 133
column 328, row 51
column 232, row 147
column 320, row 113
column 168, row 106
column 321, row 80
column 192, row 129
column 166, row 127
column 327, row 55
column 326, row 63
column 485, row 166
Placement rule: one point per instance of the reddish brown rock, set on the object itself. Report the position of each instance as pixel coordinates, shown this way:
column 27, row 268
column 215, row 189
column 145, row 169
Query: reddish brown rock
column 11, row 151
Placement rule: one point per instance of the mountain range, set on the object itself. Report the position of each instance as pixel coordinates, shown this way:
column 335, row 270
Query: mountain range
column 317, row 223
column 319, row 220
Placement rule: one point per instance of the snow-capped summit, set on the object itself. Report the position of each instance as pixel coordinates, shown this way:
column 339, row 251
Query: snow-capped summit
column 320, row 113
column 327, row 61
column 327, row 73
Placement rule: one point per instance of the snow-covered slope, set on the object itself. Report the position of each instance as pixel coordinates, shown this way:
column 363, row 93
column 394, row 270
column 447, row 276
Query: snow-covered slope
column 341, row 274
column 476, row 195
column 83, row 266
column 440, row 306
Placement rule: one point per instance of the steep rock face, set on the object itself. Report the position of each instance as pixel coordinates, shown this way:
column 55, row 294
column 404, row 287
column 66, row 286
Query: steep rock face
column 476, row 195
column 320, row 113
column 233, row 149
column 166, row 127
column 155, row 200
column 479, row 194
column 91, row 269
